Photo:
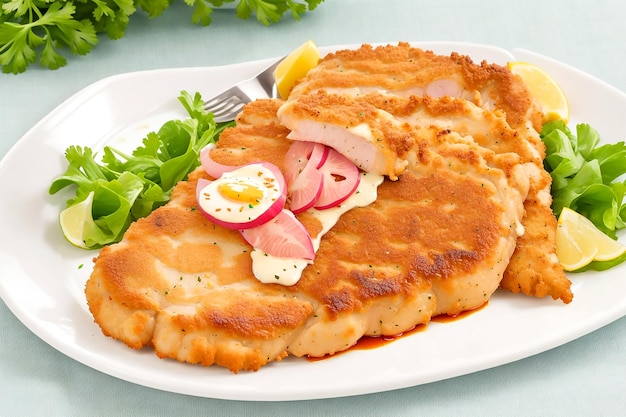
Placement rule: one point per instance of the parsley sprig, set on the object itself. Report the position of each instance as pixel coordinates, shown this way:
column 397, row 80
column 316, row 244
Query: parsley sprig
column 32, row 30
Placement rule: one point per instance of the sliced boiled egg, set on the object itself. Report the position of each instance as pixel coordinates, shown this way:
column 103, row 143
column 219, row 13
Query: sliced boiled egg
column 246, row 197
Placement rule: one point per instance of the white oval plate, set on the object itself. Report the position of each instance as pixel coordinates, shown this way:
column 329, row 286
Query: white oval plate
column 43, row 276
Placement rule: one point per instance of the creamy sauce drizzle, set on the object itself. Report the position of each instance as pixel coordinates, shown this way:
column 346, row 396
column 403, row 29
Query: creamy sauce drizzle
column 287, row 271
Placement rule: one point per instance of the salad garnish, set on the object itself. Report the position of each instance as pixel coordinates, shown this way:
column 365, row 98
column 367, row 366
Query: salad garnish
column 125, row 187
column 587, row 178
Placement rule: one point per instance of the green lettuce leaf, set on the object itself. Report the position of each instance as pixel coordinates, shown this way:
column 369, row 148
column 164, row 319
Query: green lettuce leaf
column 586, row 177
column 128, row 187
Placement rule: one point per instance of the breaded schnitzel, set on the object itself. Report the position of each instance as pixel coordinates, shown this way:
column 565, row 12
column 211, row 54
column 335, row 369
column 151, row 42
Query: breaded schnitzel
column 185, row 286
column 366, row 104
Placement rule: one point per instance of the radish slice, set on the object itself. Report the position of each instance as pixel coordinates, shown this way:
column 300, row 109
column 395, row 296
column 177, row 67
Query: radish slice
column 283, row 236
column 202, row 182
column 305, row 189
column 301, row 154
column 210, row 166
column 246, row 197
column 341, row 178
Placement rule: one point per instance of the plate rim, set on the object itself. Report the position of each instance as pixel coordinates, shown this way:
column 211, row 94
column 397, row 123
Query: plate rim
column 250, row 66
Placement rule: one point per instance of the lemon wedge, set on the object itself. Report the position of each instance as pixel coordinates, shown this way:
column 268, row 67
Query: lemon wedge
column 544, row 89
column 579, row 242
column 295, row 66
column 76, row 220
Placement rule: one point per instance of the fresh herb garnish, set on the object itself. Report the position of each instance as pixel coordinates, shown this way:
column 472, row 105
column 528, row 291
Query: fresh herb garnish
column 586, row 177
column 128, row 187
column 31, row 29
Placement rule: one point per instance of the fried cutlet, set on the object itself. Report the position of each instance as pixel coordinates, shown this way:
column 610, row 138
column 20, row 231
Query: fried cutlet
column 185, row 286
column 366, row 104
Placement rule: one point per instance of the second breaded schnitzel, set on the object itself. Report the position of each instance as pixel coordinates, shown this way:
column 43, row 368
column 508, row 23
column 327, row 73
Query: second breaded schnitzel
column 368, row 104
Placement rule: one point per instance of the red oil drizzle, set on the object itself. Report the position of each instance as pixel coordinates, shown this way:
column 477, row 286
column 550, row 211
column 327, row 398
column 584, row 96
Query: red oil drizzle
column 444, row 318
column 371, row 342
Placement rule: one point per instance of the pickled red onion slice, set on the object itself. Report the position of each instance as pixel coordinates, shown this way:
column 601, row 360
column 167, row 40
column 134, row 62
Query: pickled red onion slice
column 283, row 236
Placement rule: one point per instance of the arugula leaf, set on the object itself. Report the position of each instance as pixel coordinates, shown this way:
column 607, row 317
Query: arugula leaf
column 82, row 171
column 128, row 187
column 585, row 176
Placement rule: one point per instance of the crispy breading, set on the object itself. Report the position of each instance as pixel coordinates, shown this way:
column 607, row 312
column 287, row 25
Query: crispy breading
column 465, row 174
column 403, row 70
column 356, row 101
column 534, row 268
column 185, row 286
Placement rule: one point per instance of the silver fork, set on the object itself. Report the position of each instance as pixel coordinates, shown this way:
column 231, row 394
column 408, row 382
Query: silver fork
column 228, row 104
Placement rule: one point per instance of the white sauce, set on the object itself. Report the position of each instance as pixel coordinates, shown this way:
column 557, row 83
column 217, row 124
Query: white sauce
column 287, row 271
column 363, row 131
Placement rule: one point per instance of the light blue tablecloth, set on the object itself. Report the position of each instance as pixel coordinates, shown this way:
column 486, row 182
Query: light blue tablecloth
column 584, row 377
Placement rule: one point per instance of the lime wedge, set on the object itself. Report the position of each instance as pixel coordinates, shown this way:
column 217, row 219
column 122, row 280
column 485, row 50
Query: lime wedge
column 76, row 220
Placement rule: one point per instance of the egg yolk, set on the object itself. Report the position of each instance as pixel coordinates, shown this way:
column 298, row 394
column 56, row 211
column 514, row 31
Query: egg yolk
column 239, row 190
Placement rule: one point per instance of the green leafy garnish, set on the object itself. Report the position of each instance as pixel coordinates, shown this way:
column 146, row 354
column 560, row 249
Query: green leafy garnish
column 271, row 11
column 586, row 177
column 128, row 187
column 39, row 29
